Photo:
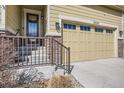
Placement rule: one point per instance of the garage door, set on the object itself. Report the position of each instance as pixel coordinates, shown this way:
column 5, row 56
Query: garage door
column 88, row 42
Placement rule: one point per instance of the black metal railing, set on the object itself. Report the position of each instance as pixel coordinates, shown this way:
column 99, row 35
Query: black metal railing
column 61, row 55
column 20, row 51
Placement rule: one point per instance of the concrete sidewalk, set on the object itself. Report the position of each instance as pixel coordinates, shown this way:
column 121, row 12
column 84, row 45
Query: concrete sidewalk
column 105, row 73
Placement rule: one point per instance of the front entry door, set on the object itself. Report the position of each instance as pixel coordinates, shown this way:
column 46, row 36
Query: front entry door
column 32, row 25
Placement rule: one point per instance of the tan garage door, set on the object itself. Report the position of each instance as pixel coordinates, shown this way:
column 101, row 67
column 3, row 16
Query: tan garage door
column 89, row 45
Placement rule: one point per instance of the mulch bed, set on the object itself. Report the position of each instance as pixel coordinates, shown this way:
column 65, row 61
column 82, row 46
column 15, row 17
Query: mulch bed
column 35, row 84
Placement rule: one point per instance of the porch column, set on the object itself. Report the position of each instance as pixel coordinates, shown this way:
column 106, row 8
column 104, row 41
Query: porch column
column 2, row 17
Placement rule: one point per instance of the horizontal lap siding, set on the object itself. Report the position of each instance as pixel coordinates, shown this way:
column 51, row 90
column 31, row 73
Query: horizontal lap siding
column 86, row 45
column 13, row 17
column 83, row 13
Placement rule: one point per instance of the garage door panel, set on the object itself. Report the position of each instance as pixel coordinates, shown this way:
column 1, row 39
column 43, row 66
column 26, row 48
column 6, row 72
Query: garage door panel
column 88, row 45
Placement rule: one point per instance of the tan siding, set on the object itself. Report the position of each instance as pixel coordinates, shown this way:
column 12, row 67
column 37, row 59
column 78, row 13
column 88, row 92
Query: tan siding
column 69, row 9
column 104, row 9
column 86, row 45
column 13, row 17
column 84, row 13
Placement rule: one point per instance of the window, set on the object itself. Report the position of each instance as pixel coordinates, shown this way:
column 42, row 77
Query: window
column 32, row 29
column 86, row 28
column 98, row 29
column 74, row 26
column 65, row 26
column 109, row 31
column 69, row 26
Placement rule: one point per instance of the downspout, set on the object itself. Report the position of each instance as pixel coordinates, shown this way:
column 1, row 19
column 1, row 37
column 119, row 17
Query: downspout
column 123, row 31
column 61, row 28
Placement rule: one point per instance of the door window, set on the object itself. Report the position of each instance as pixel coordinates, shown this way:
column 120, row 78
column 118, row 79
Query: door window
column 32, row 28
column 32, row 25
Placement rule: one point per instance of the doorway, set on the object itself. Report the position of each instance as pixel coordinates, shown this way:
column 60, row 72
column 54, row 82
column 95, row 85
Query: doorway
column 32, row 25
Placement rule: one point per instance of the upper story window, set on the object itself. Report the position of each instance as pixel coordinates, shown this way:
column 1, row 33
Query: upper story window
column 86, row 28
column 98, row 29
column 69, row 26
column 109, row 31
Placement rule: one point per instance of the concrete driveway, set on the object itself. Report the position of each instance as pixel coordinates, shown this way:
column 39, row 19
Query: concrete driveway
column 105, row 73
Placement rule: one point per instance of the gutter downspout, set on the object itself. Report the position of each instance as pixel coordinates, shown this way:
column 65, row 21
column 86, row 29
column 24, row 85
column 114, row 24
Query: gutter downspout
column 123, row 30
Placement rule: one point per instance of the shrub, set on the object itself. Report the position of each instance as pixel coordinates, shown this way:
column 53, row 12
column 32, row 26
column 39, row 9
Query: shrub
column 6, row 80
column 60, row 81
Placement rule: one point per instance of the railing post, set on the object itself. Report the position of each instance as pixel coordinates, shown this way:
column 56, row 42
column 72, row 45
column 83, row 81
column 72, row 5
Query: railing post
column 52, row 50
column 61, row 54
column 69, row 60
column 2, row 48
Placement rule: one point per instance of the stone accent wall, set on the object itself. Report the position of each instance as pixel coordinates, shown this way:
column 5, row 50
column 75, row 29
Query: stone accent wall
column 6, row 54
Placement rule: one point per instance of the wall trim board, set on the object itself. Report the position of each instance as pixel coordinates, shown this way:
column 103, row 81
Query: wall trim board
column 25, row 19
column 96, row 23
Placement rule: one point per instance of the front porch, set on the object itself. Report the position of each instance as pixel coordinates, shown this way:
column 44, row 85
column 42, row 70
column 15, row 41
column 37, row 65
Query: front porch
column 27, row 44
column 27, row 20
column 20, row 51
